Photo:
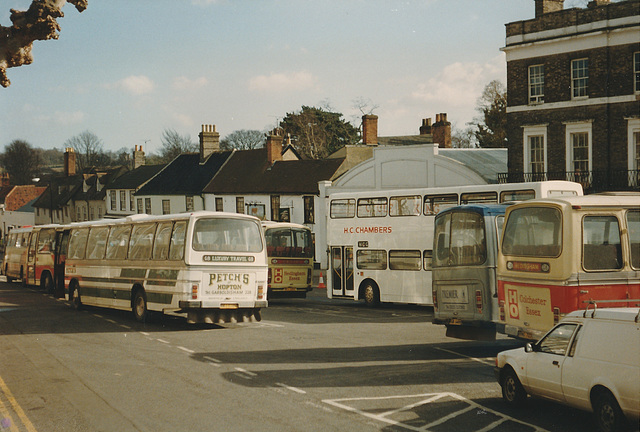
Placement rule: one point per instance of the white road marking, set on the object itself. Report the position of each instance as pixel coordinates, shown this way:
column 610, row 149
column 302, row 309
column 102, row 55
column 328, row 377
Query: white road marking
column 424, row 399
column 487, row 362
column 186, row 349
column 251, row 374
column 293, row 389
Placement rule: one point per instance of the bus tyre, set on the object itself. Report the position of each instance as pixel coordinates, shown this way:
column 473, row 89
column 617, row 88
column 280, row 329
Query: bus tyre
column 76, row 302
column 608, row 414
column 512, row 391
column 371, row 294
column 46, row 283
column 139, row 306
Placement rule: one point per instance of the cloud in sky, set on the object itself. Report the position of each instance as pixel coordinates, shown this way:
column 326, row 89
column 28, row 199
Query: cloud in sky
column 279, row 82
column 184, row 83
column 135, row 84
column 459, row 84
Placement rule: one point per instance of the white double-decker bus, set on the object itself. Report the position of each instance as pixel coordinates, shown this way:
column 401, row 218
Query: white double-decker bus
column 380, row 242
column 211, row 266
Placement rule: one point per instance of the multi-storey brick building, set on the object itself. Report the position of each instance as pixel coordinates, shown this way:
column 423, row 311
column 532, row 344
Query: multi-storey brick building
column 573, row 95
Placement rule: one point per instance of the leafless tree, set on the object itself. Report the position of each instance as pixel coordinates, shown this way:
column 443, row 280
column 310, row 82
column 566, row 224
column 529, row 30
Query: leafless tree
column 243, row 139
column 88, row 148
column 174, row 144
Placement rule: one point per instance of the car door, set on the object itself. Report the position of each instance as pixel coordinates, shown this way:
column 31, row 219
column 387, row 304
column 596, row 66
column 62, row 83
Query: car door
column 544, row 364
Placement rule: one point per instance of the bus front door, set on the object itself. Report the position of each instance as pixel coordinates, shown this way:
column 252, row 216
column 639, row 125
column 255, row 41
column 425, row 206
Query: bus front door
column 342, row 271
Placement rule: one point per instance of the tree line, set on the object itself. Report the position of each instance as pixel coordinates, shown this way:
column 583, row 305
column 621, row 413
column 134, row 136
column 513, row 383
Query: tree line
column 314, row 132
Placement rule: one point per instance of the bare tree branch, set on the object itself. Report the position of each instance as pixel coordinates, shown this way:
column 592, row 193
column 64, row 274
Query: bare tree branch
column 39, row 22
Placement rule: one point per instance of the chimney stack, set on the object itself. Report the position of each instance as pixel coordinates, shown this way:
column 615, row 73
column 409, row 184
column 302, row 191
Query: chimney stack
column 69, row 162
column 595, row 3
column 138, row 157
column 274, row 146
column 547, row 6
column 5, row 180
column 209, row 141
column 370, row 129
column 442, row 131
column 425, row 129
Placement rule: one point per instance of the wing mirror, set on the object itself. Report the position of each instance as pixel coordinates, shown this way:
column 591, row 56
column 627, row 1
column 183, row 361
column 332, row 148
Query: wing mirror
column 529, row 347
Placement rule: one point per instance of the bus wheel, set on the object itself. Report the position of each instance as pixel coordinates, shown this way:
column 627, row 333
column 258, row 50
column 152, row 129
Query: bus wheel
column 76, row 302
column 46, row 283
column 371, row 294
column 139, row 305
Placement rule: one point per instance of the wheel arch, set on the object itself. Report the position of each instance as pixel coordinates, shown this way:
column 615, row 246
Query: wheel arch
column 135, row 289
column 363, row 285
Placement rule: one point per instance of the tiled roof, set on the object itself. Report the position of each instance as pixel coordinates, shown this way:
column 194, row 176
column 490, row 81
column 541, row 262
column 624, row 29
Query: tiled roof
column 247, row 171
column 135, row 178
column 185, row 175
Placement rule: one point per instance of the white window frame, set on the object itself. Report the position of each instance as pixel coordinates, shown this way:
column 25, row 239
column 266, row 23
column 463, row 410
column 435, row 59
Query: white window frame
column 529, row 131
column 537, row 99
column 166, row 206
column 636, row 71
column 578, row 127
column 574, row 79
column 633, row 126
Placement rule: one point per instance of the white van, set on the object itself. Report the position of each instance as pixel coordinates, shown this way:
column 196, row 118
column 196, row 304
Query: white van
column 590, row 360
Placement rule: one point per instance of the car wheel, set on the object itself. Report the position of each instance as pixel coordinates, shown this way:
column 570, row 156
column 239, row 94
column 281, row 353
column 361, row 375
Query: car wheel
column 512, row 390
column 371, row 294
column 608, row 413
column 139, row 306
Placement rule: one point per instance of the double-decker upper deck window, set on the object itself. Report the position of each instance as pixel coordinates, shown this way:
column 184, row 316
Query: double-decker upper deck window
column 404, row 205
column 517, row 195
column 434, row 204
column 479, row 198
column 536, row 84
column 342, row 208
column 580, row 78
column 372, row 207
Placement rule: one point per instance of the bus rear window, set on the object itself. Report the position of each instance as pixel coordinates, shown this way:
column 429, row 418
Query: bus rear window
column 533, row 231
column 289, row 243
column 226, row 235
column 460, row 239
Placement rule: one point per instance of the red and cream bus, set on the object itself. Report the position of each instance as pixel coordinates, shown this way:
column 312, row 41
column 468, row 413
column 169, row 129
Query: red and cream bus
column 290, row 256
column 209, row 266
column 559, row 254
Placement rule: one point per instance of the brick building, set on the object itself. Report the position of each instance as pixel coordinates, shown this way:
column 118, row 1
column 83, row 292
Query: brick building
column 573, row 95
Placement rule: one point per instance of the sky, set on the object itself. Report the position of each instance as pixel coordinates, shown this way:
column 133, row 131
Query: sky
column 128, row 70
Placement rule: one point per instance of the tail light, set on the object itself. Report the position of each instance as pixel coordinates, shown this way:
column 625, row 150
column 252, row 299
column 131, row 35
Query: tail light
column 260, row 292
column 309, row 271
column 501, row 309
column 435, row 300
column 269, row 277
column 194, row 292
column 556, row 315
column 479, row 301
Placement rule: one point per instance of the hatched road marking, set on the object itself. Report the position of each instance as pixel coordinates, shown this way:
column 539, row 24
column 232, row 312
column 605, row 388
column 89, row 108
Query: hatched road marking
column 422, row 412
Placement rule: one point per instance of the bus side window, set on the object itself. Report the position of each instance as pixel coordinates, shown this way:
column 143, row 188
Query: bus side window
column 78, row 243
column 162, row 241
column 633, row 227
column 176, row 251
column 601, row 249
column 118, row 242
column 141, row 241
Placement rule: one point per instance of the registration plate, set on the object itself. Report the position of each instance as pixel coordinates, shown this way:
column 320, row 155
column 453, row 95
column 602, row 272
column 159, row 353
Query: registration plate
column 454, row 295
